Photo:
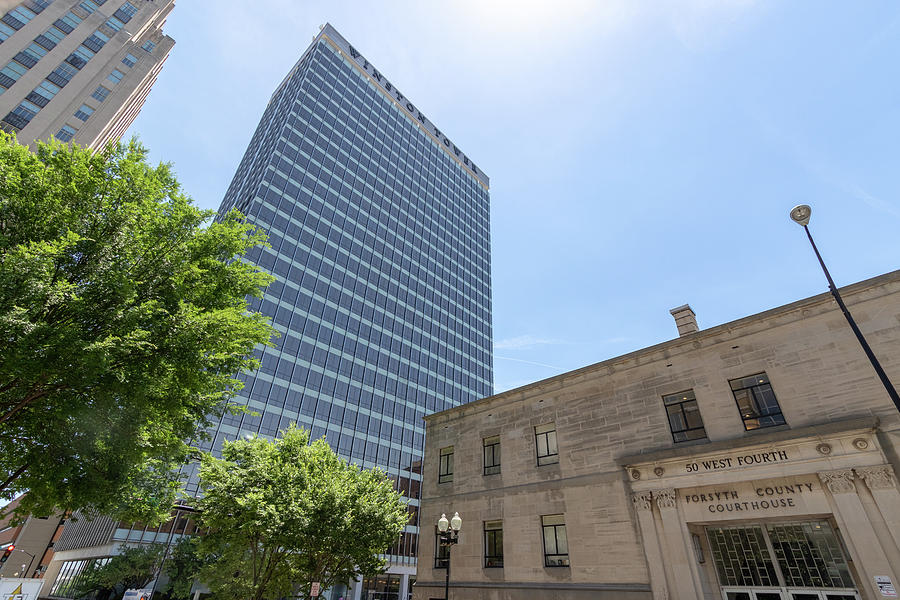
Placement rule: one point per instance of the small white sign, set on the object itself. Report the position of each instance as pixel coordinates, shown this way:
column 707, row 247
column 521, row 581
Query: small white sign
column 15, row 588
column 315, row 589
column 885, row 586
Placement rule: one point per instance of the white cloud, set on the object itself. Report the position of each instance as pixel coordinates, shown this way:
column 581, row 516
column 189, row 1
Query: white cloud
column 523, row 342
column 530, row 362
column 701, row 23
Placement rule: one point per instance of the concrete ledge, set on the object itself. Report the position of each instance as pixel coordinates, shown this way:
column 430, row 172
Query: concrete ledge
column 520, row 585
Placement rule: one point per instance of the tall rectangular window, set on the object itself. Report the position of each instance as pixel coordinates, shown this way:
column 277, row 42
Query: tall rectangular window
column 556, row 542
column 684, row 416
column 756, row 402
column 125, row 12
column 492, row 455
column 545, row 440
column 130, row 60
column 441, row 552
column 100, row 94
column 84, row 112
column 493, row 544
column 445, row 475
column 65, row 134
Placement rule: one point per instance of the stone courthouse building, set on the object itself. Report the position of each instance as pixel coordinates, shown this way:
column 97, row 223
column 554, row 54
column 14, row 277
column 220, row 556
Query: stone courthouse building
column 755, row 460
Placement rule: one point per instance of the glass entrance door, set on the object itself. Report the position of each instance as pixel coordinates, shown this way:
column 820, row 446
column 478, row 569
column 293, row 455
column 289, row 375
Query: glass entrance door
column 781, row 561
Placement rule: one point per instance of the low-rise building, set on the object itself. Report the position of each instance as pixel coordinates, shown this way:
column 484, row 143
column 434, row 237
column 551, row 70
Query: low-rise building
column 755, row 460
column 32, row 542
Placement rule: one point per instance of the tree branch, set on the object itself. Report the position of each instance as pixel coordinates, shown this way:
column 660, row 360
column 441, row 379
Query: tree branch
column 13, row 477
column 35, row 395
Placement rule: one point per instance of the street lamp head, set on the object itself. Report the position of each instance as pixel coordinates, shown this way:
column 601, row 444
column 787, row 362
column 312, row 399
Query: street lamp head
column 801, row 213
column 443, row 524
column 456, row 522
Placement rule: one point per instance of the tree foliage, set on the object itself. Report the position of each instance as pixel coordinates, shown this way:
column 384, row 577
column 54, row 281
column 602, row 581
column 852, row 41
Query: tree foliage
column 123, row 320
column 132, row 568
column 182, row 567
column 280, row 515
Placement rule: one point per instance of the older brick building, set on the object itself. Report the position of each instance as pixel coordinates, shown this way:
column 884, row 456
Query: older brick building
column 752, row 460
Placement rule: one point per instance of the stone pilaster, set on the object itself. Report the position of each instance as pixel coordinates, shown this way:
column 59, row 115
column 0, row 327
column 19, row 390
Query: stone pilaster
column 665, row 499
column 857, row 529
column 882, row 483
column 643, row 507
column 839, row 481
column 682, row 564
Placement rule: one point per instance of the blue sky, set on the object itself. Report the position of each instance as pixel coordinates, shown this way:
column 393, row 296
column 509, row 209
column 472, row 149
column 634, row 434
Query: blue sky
column 642, row 155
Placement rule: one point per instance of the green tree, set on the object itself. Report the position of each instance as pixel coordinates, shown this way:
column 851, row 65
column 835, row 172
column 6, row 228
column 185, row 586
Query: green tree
column 280, row 515
column 123, row 320
column 132, row 568
column 182, row 567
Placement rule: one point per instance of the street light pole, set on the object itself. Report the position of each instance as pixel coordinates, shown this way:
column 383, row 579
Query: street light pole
column 178, row 508
column 25, row 568
column 449, row 535
column 800, row 215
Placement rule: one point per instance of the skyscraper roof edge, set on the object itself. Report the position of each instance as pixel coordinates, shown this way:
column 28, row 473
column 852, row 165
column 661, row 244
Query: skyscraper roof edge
column 333, row 37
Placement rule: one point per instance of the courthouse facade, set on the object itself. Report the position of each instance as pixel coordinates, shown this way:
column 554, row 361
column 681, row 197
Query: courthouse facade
column 752, row 460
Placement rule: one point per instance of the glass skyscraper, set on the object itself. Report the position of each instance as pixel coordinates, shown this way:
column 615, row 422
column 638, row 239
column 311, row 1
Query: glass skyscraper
column 380, row 243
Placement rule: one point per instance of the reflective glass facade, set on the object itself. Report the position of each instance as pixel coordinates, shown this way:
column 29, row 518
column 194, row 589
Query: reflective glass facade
column 380, row 243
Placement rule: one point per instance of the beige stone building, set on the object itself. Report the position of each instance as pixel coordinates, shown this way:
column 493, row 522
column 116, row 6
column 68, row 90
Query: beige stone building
column 79, row 70
column 752, row 460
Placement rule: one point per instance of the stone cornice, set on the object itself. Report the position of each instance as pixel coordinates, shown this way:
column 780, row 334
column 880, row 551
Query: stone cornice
column 756, row 439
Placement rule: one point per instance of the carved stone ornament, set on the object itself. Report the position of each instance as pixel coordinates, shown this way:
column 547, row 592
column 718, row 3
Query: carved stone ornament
column 860, row 443
column 635, row 474
column 824, row 449
column 641, row 500
column 659, row 471
column 665, row 498
column 877, row 478
column 838, row 482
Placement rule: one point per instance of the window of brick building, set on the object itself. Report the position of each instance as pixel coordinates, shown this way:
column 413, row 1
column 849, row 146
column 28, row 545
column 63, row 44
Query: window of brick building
column 441, row 553
column 493, row 544
column 545, row 439
column 556, row 542
column 684, row 416
column 492, row 455
column 445, row 474
column 756, row 402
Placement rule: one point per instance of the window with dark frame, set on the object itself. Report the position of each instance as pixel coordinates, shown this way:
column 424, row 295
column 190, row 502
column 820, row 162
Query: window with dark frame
column 493, row 544
column 756, row 402
column 445, row 474
column 492, row 455
column 556, row 542
column 545, row 440
column 441, row 553
column 684, row 417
